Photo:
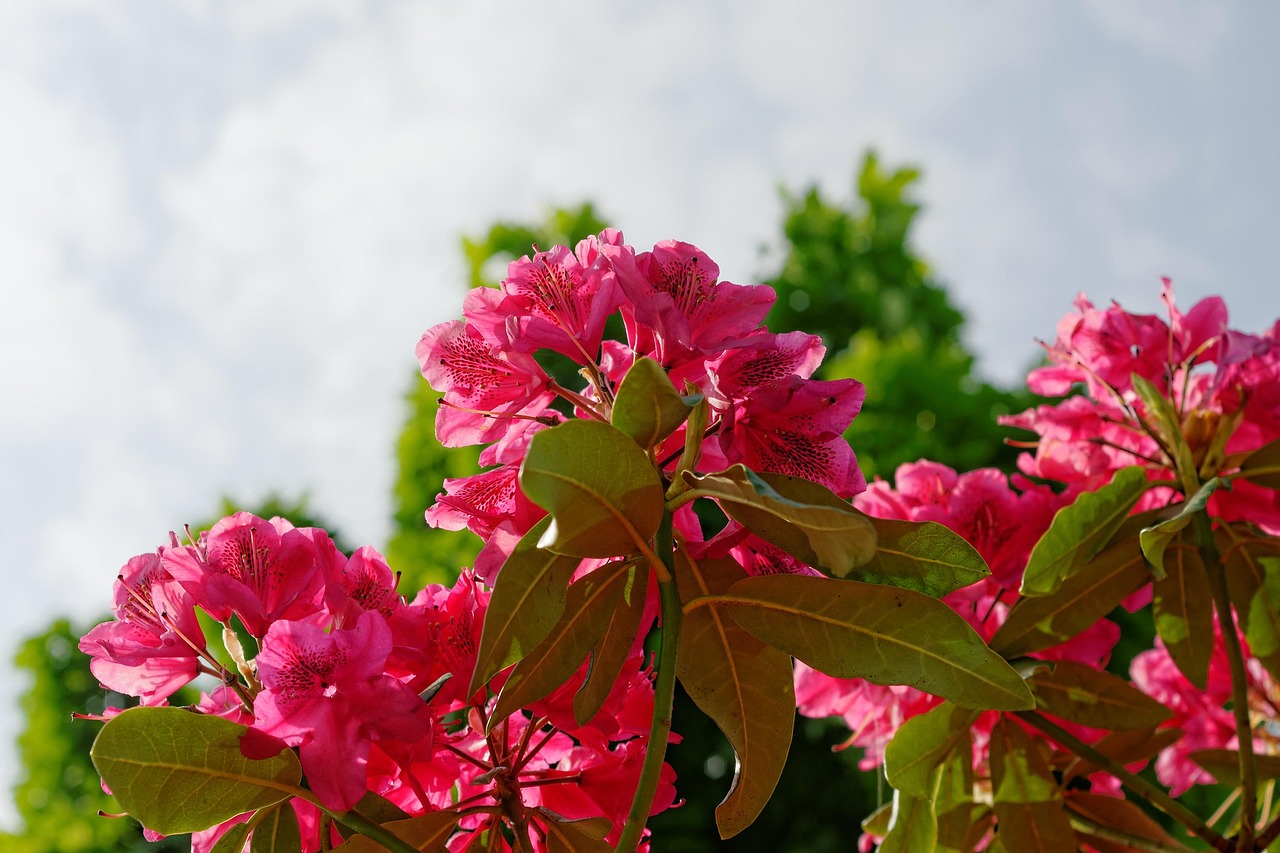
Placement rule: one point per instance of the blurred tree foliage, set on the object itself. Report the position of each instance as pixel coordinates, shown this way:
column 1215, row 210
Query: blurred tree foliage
column 849, row 274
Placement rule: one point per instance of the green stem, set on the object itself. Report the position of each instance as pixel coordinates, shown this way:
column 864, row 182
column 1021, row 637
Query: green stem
column 358, row 823
column 1239, row 680
column 664, row 689
column 1137, row 784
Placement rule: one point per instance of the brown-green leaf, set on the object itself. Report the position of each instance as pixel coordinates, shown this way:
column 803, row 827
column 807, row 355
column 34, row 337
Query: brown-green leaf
column 1263, row 465
column 961, row 821
column 1224, row 764
column 613, row 647
column 589, row 605
column 1183, row 609
column 277, row 832
column 884, row 634
column 647, row 406
column 814, row 525
column 1081, row 530
column 742, row 684
column 176, row 771
column 528, row 598
column 604, row 495
column 426, row 833
column 1125, row 747
column 1028, row 802
column 1084, row 598
column 1094, row 697
column 921, row 555
column 1253, row 581
column 1115, row 813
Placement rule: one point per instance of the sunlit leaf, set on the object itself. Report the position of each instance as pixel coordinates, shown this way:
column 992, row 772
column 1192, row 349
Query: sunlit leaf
column 277, row 832
column 922, row 744
column 613, row 647
column 819, row 529
column 647, row 406
column 1084, row 598
column 1094, row 697
column 604, row 495
column 426, row 833
column 528, row 598
column 961, row 822
column 1028, row 802
column 176, row 771
column 912, row 826
column 1263, row 465
column 1155, row 539
column 592, row 827
column 564, row 837
column 1081, row 530
column 921, row 555
column 884, row 634
column 877, row 823
column 742, row 684
column 232, row 841
column 589, row 605
column 1183, row 608
column 1164, row 419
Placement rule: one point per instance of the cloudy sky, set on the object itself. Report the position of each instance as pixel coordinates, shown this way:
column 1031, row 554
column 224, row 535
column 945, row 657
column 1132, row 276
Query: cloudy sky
column 223, row 226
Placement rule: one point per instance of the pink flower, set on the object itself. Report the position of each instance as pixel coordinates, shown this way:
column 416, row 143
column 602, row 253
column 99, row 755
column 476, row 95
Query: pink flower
column 260, row 570
column 154, row 645
column 327, row 694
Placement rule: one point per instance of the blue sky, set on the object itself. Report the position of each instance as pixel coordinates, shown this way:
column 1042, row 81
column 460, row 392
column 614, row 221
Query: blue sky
column 223, row 226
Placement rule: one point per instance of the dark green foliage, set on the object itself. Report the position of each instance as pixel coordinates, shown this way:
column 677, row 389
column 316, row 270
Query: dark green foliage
column 504, row 242
column 852, row 276
column 58, row 796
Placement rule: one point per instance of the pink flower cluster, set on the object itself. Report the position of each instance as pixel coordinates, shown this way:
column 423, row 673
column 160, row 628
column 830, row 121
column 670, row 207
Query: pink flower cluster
column 1002, row 521
column 765, row 409
column 1223, row 384
column 368, row 688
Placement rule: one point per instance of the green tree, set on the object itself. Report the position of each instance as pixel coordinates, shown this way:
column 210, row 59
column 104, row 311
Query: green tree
column 851, row 275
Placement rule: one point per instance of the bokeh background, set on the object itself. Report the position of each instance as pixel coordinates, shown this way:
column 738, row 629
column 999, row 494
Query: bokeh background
column 223, row 226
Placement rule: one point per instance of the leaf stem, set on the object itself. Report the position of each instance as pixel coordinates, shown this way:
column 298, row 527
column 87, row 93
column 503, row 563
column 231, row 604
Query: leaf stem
column 663, row 696
column 1137, row 784
column 1239, row 680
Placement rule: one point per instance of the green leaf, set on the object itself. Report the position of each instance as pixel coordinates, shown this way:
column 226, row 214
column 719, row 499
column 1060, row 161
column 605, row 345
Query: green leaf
column 1164, row 419
column 921, row 555
column 614, row 646
column 1081, row 530
column 912, row 826
column 604, row 496
column 1262, row 467
column 877, row 823
column 528, row 598
column 589, row 605
column 884, row 634
column 1028, row 802
column 742, row 684
column 1253, row 581
column 592, row 827
column 961, row 821
column 176, row 771
column 1224, row 764
column 277, row 832
column 1094, row 697
column 426, row 833
column 1154, row 540
column 1183, row 607
column 379, row 809
column 1084, row 598
column 922, row 744
column 820, row 530
column 647, row 406
column 1115, row 813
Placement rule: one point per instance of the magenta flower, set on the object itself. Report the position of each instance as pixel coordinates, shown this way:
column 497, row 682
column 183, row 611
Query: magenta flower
column 327, row 694
column 260, row 570
column 154, row 645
